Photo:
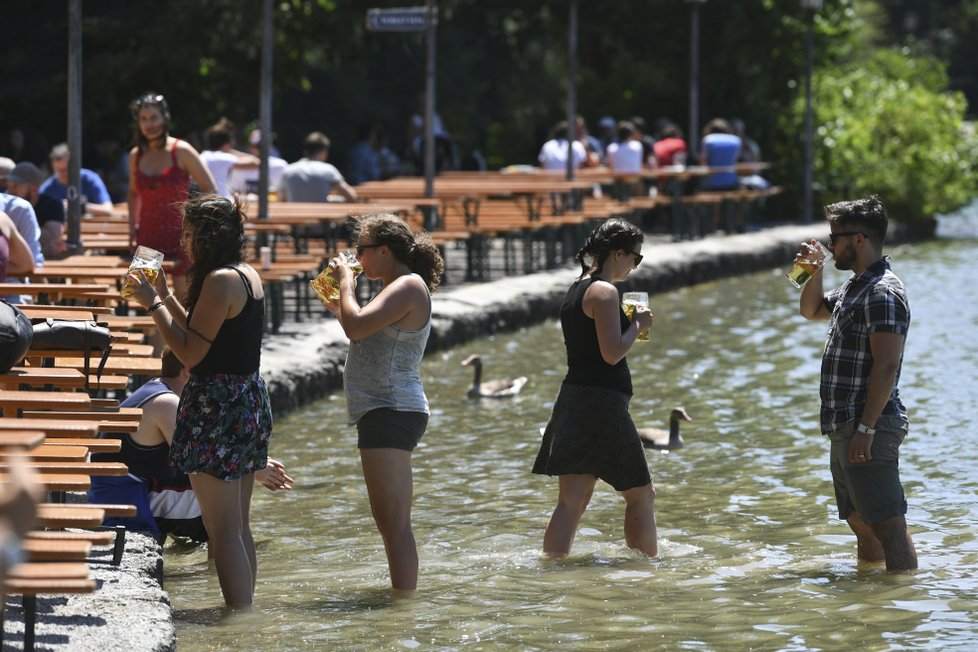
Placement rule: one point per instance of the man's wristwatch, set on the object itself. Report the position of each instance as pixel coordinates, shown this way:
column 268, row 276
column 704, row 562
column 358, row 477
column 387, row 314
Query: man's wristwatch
column 866, row 430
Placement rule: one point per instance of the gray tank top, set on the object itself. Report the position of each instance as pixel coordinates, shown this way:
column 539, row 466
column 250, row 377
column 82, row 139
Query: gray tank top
column 383, row 371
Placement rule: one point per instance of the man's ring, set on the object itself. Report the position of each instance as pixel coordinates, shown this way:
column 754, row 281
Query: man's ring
column 861, row 455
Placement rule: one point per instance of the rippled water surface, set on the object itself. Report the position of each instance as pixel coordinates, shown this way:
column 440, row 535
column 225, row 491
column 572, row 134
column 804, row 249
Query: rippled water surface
column 752, row 554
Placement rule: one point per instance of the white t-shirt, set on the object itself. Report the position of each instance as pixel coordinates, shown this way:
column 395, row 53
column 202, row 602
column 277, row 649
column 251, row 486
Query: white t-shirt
column 625, row 157
column 245, row 180
column 553, row 154
column 220, row 164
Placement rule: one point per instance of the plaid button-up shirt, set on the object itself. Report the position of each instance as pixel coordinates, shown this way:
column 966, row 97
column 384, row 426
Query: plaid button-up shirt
column 873, row 302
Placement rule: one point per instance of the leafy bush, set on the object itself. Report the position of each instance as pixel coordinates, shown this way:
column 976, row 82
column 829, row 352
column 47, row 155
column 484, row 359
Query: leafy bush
column 889, row 125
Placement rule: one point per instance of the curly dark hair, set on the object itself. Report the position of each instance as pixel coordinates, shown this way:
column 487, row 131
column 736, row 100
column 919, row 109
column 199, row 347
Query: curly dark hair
column 219, row 239
column 868, row 215
column 416, row 250
column 611, row 235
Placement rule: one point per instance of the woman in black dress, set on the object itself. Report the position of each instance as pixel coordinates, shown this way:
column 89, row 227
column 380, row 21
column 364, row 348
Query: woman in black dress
column 590, row 434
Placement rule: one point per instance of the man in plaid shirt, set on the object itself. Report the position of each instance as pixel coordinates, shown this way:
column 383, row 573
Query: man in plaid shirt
column 861, row 410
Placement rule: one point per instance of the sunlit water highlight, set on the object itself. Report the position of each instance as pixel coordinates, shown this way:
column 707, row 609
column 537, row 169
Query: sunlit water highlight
column 752, row 554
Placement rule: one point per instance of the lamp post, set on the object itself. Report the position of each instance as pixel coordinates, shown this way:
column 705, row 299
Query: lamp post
column 810, row 7
column 571, row 86
column 694, row 78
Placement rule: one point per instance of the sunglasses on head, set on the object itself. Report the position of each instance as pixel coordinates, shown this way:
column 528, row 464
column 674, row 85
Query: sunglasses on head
column 149, row 99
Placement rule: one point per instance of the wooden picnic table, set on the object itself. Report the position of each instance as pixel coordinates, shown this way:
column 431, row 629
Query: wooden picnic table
column 51, row 427
column 55, row 291
column 89, row 260
column 104, row 421
column 62, row 516
column 13, row 400
column 93, row 444
column 59, row 483
column 21, row 439
column 128, row 365
column 63, row 377
column 41, row 311
column 114, row 274
column 71, row 468
column 56, row 453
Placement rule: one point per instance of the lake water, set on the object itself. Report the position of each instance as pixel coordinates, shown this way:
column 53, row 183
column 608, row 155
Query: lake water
column 752, row 553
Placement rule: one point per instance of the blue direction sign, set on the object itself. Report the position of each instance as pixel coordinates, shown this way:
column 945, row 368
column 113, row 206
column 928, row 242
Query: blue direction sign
column 398, row 19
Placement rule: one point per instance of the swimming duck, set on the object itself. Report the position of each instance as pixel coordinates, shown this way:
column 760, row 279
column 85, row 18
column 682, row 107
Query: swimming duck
column 662, row 440
column 491, row 388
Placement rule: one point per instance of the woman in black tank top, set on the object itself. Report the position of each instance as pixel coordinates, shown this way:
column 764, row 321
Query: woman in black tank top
column 224, row 420
column 590, row 434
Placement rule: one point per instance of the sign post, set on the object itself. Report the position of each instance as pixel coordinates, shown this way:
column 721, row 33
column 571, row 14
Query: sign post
column 416, row 19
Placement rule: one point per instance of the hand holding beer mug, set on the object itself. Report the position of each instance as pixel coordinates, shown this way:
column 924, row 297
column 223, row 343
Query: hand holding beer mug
column 150, row 262
column 327, row 284
column 809, row 260
column 637, row 301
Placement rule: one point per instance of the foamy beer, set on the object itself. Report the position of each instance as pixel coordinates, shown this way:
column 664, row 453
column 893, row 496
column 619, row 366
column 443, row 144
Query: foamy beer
column 326, row 287
column 630, row 301
column 150, row 261
column 805, row 267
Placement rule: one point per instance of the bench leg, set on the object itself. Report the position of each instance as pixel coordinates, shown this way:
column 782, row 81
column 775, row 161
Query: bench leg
column 30, row 618
column 120, row 544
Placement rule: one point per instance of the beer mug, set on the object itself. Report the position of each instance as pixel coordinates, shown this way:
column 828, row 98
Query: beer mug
column 326, row 287
column 629, row 301
column 806, row 266
column 150, row 261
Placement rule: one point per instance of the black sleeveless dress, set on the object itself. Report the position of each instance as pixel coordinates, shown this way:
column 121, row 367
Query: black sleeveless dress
column 590, row 431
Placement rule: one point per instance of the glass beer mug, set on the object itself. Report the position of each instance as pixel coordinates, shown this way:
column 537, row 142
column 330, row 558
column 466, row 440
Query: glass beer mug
column 326, row 287
column 629, row 301
column 150, row 261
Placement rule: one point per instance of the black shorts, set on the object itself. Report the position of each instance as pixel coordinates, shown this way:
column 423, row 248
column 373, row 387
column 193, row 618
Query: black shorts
column 386, row 428
column 870, row 488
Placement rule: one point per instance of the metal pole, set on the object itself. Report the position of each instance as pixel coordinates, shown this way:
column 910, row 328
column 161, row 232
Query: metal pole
column 694, row 82
column 74, row 123
column 571, row 86
column 429, row 104
column 265, row 103
column 809, row 173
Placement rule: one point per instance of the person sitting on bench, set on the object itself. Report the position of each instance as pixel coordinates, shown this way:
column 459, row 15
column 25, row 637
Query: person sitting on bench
column 164, row 499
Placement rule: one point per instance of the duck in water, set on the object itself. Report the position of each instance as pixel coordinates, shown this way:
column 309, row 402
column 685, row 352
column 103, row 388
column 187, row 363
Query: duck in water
column 662, row 440
column 491, row 388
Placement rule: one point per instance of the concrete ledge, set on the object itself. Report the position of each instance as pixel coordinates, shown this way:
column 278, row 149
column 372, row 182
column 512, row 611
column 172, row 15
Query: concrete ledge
column 129, row 610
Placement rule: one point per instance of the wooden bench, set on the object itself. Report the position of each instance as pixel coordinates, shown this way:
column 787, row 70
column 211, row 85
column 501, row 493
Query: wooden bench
column 32, row 579
column 56, row 549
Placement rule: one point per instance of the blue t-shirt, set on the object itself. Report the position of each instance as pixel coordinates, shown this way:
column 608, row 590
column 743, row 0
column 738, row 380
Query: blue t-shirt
column 92, row 188
column 721, row 150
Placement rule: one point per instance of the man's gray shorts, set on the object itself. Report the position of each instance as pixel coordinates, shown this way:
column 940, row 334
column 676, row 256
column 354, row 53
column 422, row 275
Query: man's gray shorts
column 871, row 488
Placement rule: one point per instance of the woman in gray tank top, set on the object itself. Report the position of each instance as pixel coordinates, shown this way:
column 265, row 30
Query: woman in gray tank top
column 382, row 378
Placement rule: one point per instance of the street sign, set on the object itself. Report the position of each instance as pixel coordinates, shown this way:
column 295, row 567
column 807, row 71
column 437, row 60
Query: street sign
column 398, row 19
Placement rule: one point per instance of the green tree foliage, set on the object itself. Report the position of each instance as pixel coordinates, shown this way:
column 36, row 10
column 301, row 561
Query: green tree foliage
column 501, row 79
column 888, row 125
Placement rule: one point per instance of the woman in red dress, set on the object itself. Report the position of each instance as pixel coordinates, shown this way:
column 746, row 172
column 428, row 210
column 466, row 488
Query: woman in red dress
column 160, row 170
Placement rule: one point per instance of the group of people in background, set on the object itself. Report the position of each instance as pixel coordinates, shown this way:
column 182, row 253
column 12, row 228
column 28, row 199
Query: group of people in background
column 626, row 146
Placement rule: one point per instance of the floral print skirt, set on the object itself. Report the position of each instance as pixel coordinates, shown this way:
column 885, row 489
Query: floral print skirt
column 224, row 423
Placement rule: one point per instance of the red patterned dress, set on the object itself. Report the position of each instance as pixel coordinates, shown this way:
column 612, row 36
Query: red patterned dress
column 160, row 211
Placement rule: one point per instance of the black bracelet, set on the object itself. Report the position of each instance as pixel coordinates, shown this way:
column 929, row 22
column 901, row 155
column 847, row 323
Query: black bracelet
column 158, row 304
